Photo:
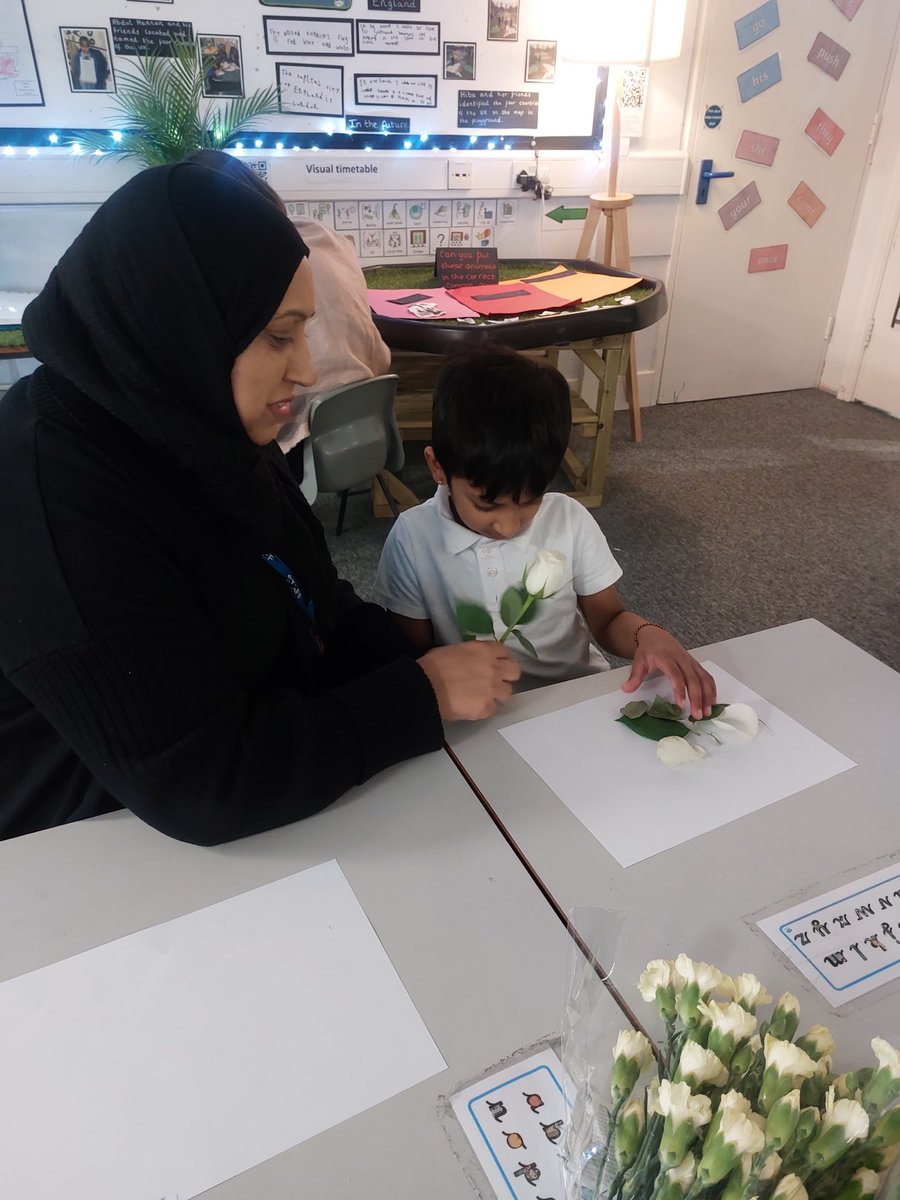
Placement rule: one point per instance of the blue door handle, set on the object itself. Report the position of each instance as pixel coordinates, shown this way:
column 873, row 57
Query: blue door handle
column 706, row 174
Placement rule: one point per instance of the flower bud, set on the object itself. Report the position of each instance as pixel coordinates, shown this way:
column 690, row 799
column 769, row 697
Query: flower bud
column 684, row 1114
column 737, row 1135
column 884, row 1086
column 698, row 1066
column 632, row 1053
column 546, row 575
column 807, row 1125
column 864, row 1183
column 845, row 1122
column 817, row 1042
column 782, row 1120
column 657, row 982
column 786, row 1067
column 785, row 1017
column 742, row 1059
column 790, row 1188
column 886, row 1131
column 629, row 1133
column 745, row 989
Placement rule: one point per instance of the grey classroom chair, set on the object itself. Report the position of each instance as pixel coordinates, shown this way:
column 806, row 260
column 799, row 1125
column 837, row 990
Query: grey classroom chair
column 353, row 438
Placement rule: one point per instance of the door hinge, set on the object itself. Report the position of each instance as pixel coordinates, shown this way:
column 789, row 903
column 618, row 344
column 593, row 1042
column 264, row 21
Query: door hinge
column 869, row 328
column 873, row 135
column 829, row 328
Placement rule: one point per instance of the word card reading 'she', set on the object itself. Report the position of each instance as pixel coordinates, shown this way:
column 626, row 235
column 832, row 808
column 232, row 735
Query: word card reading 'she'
column 757, row 148
column 847, row 941
column 515, row 1121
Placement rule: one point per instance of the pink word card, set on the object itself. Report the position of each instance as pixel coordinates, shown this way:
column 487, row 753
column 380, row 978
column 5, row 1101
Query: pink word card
column 757, row 148
column 767, row 258
column 740, row 205
column 824, row 132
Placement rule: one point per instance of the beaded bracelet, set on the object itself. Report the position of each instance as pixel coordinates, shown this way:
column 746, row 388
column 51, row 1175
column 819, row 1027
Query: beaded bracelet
column 644, row 626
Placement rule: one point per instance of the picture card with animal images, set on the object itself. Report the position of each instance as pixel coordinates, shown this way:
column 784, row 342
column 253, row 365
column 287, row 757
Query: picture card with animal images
column 515, row 1121
column 572, row 748
column 845, row 941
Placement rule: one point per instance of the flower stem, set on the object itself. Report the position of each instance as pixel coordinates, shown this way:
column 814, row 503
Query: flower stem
column 522, row 611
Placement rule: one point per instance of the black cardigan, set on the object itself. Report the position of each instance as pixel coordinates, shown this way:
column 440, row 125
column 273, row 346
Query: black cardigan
column 151, row 660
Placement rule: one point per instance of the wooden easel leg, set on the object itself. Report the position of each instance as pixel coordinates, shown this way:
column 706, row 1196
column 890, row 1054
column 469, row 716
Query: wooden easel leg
column 632, row 393
column 587, row 233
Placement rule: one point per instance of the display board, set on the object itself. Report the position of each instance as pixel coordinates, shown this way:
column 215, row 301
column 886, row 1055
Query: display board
column 492, row 67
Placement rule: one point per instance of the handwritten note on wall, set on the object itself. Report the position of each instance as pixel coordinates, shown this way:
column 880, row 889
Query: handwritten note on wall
column 482, row 109
column 398, row 37
column 312, row 89
column 846, row 941
column 402, row 91
column 308, row 35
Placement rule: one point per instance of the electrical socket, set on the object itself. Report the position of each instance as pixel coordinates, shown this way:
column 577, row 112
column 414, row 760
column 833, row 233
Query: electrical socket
column 459, row 173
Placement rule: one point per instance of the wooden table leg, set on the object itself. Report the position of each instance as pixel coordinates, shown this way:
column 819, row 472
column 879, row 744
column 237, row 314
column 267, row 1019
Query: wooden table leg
column 608, row 367
column 401, row 493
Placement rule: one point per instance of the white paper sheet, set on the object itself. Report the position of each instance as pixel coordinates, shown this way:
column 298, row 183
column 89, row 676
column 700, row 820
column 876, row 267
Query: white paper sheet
column 636, row 807
column 177, row 1057
column 846, row 941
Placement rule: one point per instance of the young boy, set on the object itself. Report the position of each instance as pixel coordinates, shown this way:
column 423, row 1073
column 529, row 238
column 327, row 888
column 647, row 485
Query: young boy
column 500, row 428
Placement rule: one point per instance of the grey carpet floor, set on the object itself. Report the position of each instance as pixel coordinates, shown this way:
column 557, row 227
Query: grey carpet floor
column 732, row 516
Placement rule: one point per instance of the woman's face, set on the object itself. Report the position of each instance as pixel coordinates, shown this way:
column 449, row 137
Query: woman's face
column 264, row 377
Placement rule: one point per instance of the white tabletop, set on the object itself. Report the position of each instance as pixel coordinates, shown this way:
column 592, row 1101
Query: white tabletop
column 705, row 896
column 480, row 952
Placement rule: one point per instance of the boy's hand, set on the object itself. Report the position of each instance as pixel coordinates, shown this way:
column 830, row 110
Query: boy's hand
column 659, row 651
column 470, row 678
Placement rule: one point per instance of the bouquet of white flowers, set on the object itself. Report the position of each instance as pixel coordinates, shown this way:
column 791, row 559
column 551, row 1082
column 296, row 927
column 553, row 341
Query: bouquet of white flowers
column 738, row 1109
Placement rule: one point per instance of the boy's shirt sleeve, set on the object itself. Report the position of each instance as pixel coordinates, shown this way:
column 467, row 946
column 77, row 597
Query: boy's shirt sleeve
column 594, row 566
column 397, row 584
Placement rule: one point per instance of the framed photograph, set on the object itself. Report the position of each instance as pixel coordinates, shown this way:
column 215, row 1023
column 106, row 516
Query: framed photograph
column 459, row 60
column 540, row 62
column 222, row 64
column 88, row 59
column 503, row 21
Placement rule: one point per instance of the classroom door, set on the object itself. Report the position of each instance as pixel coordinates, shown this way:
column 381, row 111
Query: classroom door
column 878, row 382
column 787, row 97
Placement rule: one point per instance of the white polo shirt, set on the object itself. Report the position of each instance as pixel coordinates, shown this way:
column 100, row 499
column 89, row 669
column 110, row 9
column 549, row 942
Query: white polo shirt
column 430, row 561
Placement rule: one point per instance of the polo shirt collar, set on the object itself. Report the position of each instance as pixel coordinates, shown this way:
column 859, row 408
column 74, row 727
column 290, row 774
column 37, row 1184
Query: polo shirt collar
column 456, row 537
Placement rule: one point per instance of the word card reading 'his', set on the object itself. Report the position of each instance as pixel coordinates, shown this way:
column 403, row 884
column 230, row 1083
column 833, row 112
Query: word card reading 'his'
column 846, row 941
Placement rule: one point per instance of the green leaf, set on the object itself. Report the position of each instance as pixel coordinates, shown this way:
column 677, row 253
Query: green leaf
column 472, row 618
column 525, row 642
column 665, row 710
column 634, row 709
column 655, row 728
column 717, row 710
column 511, row 605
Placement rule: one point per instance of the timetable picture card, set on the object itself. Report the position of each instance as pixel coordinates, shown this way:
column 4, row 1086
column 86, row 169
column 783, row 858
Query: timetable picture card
column 757, row 147
column 806, row 204
column 515, row 1121
column 739, row 206
column 588, row 758
column 179, row 1056
column 827, row 134
column 829, row 56
column 768, row 258
column 846, row 942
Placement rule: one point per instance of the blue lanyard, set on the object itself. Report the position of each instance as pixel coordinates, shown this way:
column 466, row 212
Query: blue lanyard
column 308, row 606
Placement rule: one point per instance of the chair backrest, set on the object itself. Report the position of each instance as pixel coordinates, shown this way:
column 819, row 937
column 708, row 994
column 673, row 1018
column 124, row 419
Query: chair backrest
column 353, row 434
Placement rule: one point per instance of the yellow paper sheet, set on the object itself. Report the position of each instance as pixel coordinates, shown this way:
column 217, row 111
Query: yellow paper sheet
column 572, row 284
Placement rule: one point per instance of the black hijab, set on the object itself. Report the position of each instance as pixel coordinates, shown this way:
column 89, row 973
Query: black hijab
column 144, row 315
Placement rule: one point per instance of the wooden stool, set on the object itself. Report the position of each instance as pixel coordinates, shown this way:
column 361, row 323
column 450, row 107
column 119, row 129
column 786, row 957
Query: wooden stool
column 616, row 253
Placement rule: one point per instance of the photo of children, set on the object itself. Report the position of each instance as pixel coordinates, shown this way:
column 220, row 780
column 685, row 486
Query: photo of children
column 503, row 20
column 220, row 58
column 88, row 59
column 540, row 62
column 459, row 60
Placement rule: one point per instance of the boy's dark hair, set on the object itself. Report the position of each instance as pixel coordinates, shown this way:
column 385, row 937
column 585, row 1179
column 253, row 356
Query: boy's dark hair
column 501, row 421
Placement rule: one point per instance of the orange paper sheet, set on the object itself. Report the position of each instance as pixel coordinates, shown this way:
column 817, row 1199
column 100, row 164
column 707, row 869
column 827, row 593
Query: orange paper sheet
column 574, row 285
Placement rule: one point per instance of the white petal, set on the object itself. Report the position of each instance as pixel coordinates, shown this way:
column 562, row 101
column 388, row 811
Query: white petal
column 675, row 751
column 741, row 718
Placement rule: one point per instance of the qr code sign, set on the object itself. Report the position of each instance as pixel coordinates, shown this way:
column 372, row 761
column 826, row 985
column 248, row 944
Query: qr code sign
column 634, row 87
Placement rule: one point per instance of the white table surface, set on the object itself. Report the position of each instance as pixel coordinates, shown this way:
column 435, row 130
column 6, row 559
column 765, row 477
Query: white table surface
column 480, row 952
column 705, row 896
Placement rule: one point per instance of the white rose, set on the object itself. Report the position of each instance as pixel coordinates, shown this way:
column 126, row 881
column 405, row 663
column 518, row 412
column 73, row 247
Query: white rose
column 684, row 1174
column 790, row 1188
column 745, row 989
column 676, row 751
column 702, row 1065
column 849, row 1114
column 729, row 1019
column 635, row 1046
column 788, row 1059
column 676, row 1100
column 740, row 1132
column 888, row 1056
column 706, row 977
column 658, row 974
column 738, row 718
column 546, row 575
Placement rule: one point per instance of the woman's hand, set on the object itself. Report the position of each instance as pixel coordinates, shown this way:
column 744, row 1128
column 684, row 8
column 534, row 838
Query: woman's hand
column 470, row 678
column 659, row 651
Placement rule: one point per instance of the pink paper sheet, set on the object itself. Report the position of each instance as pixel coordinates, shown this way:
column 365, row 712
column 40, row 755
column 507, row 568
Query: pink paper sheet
column 412, row 304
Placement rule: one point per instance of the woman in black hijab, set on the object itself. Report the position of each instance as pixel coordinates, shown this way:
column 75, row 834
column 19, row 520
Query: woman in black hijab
column 173, row 636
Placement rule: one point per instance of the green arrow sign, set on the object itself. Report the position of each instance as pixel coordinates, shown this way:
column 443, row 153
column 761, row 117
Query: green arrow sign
column 567, row 214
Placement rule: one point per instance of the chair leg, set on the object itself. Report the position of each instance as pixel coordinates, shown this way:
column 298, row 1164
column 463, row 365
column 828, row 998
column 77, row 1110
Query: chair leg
column 392, row 503
column 341, row 511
